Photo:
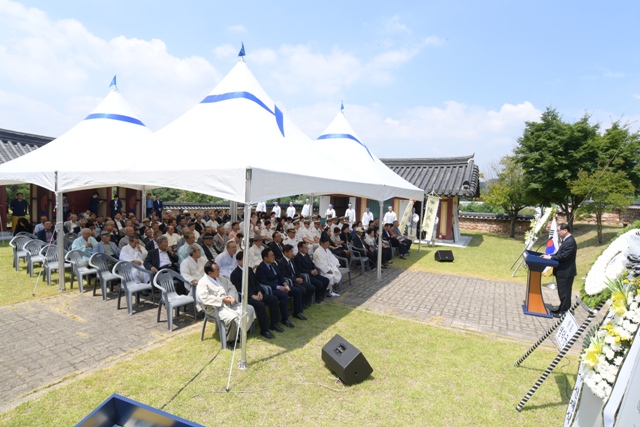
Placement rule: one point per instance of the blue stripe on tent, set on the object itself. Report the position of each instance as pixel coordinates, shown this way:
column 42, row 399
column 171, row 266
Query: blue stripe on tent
column 251, row 97
column 114, row 117
column 347, row 136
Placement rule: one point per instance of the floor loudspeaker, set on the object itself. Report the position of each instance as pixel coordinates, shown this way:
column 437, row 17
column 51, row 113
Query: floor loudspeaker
column 444, row 256
column 346, row 361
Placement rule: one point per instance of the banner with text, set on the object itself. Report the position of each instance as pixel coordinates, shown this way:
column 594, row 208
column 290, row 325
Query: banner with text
column 430, row 214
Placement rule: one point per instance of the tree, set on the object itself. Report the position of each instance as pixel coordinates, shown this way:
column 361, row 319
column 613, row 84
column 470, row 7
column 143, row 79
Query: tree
column 551, row 152
column 509, row 191
column 606, row 191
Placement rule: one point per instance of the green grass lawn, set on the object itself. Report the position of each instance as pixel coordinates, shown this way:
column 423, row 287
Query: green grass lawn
column 423, row 375
column 491, row 256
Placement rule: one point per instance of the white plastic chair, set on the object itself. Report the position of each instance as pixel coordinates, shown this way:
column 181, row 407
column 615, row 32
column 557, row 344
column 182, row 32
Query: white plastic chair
column 33, row 248
column 51, row 263
column 17, row 244
column 79, row 268
column 101, row 262
column 128, row 285
column 169, row 298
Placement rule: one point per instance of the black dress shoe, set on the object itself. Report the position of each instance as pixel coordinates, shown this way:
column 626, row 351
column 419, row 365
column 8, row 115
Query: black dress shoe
column 267, row 334
column 288, row 323
column 277, row 327
column 558, row 314
column 299, row 316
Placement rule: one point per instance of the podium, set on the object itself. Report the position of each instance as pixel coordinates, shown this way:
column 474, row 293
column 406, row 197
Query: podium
column 534, row 303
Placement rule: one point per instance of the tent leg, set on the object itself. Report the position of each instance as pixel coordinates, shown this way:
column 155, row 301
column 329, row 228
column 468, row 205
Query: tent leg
column 242, row 363
column 60, row 241
column 380, row 225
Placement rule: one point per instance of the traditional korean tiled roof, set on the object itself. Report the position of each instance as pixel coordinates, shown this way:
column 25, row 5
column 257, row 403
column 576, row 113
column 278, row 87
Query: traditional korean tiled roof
column 446, row 176
column 15, row 144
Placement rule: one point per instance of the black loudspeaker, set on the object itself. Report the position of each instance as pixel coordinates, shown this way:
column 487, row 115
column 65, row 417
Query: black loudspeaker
column 346, row 361
column 444, row 256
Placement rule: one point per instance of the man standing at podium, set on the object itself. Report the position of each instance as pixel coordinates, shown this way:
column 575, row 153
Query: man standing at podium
column 566, row 269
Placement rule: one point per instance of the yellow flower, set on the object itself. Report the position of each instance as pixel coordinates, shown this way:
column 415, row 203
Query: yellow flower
column 590, row 357
column 619, row 307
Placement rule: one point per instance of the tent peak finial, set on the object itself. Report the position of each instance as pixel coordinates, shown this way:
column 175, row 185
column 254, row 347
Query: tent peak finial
column 241, row 54
column 342, row 107
column 113, row 85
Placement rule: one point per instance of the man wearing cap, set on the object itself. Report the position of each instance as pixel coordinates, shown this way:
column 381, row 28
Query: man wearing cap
column 350, row 213
column 328, row 265
column 330, row 212
column 291, row 210
column 227, row 259
column 106, row 246
column 389, row 217
column 207, row 246
column 277, row 210
column 367, row 217
column 255, row 252
column 291, row 239
column 307, row 209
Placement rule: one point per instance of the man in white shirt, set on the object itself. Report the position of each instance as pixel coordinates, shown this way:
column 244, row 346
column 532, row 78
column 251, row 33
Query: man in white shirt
column 390, row 216
column 277, row 210
column 292, row 240
column 291, row 210
column 328, row 265
column 85, row 242
column 261, row 207
column 330, row 213
column 192, row 268
column 413, row 225
column 367, row 217
column 350, row 213
column 171, row 236
column 255, row 252
column 135, row 254
column 227, row 259
column 307, row 209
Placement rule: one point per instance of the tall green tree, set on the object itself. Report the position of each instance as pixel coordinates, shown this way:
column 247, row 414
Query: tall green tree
column 509, row 190
column 551, row 153
column 603, row 192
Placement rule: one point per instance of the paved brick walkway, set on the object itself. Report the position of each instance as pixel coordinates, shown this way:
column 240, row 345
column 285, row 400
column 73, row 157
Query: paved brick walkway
column 45, row 340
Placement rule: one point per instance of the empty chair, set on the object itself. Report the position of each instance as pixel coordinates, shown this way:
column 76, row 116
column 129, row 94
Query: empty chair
column 359, row 255
column 17, row 244
column 103, row 263
column 33, row 248
column 79, row 268
column 27, row 234
column 222, row 329
column 51, row 263
column 344, row 270
column 68, row 240
column 169, row 298
column 128, row 285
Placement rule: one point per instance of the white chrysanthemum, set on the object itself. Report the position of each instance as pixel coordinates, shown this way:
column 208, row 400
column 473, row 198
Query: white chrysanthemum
column 625, row 335
column 598, row 391
column 618, row 360
column 609, row 354
column 616, row 347
column 607, row 390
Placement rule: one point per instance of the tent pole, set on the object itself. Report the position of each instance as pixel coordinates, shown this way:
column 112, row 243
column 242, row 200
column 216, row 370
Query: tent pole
column 242, row 363
column 381, row 202
column 143, row 213
column 60, row 231
column 424, row 205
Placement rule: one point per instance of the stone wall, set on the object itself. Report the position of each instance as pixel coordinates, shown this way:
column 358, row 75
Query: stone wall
column 491, row 224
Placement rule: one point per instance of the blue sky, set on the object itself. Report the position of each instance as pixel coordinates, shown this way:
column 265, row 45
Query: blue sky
column 418, row 78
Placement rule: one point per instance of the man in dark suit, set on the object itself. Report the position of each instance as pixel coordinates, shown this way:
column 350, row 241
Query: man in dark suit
column 304, row 264
column 208, row 248
column 157, row 206
column 163, row 257
column 276, row 246
column 258, row 300
column 268, row 274
column 289, row 271
column 566, row 271
column 116, row 206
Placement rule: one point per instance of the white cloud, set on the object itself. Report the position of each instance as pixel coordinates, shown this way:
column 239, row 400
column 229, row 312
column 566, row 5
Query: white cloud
column 61, row 63
column 614, row 74
column 636, row 95
column 394, row 25
column 237, row 29
column 426, row 131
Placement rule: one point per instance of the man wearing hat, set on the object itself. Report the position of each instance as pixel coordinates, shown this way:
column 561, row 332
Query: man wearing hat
column 277, row 210
column 350, row 213
column 328, row 265
column 367, row 217
column 291, row 210
column 330, row 212
column 255, row 252
column 209, row 251
column 106, row 246
column 390, row 216
column 307, row 209
column 292, row 240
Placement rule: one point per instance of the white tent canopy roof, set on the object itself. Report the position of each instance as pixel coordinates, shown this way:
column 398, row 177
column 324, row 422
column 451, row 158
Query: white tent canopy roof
column 340, row 137
column 101, row 140
column 235, row 128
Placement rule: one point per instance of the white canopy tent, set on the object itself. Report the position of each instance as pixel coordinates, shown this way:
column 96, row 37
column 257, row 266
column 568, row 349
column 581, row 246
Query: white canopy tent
column 99, row 141
column 340, row 137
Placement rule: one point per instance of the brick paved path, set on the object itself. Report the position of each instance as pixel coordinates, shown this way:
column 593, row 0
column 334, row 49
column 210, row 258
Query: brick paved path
column 45, row 340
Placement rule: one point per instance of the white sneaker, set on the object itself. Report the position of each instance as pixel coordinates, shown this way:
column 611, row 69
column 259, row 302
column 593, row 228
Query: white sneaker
column 333, row 294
